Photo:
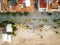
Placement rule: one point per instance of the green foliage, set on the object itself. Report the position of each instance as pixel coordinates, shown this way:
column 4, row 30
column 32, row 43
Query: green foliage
column 45, row 20
column 4, row 24
column 56, row 32
column 8, row 0
column 41, row 36
column 15, row 14
column 14, row 29
column 41, row 25
column 49, row 14
column 9, row 33
column 26, row 13
column 7, row 13
column 55, row 27
column 20, row 14
column 55, row 20
column 2, row 13
column 40, row 30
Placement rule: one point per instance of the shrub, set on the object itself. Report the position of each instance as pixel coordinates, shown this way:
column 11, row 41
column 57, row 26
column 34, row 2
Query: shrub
column 26, row 13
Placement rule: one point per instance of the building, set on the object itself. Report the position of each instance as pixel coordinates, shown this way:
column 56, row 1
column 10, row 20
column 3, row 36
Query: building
column 17, row 5
column 49, row 5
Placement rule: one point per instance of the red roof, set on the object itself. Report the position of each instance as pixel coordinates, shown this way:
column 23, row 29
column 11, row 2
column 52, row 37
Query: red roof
column 42, row 4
